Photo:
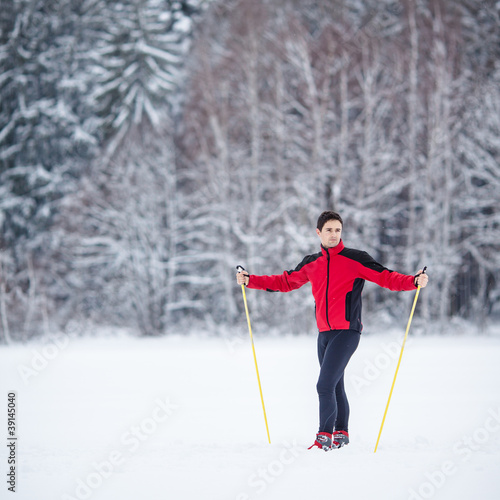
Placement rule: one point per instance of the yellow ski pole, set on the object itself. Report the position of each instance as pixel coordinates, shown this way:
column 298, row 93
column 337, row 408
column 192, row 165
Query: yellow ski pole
column 240, row 269
column 399, row 362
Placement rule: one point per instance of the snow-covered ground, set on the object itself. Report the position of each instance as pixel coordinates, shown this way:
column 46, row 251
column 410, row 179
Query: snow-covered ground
column 181, row 418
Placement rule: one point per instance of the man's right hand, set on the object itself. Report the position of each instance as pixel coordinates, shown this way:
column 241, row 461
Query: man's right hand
column 242, row 278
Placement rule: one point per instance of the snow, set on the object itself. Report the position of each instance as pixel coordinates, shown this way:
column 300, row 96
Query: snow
column 181, row 417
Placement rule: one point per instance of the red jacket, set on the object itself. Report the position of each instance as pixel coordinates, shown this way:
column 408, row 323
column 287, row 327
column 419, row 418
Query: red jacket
column 337, row 276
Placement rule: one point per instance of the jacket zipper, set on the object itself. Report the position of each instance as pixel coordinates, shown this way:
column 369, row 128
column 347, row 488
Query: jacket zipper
column 327, row 285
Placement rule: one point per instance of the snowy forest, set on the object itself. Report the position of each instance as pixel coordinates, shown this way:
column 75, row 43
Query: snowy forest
column 147, row 147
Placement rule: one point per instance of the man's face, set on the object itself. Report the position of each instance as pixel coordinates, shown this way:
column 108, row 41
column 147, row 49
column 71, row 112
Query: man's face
column 330, row 234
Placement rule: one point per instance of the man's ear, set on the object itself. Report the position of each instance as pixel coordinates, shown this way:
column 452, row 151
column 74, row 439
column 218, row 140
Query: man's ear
column 318, row 232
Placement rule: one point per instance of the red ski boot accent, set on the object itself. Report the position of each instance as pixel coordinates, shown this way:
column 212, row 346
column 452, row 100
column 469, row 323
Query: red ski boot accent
column 339, row 439
column 323, row 441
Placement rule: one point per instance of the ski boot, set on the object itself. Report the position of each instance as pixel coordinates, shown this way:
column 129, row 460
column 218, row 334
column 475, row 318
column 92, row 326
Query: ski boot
column 339, row 439
column 323, row 441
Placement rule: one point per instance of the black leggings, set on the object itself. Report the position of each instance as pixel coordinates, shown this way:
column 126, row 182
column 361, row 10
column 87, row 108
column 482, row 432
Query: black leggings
column 335, row 349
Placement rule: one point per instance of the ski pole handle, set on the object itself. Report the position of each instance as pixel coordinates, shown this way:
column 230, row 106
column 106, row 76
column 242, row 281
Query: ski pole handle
column 423, row 271
column 240, row 270
column 416, row 276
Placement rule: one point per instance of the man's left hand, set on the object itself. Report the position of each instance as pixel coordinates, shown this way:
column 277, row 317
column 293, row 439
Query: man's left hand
column 421, row 279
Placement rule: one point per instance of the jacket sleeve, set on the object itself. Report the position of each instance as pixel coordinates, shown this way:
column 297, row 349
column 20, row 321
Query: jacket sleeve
column 286, row 282
column 372, row 271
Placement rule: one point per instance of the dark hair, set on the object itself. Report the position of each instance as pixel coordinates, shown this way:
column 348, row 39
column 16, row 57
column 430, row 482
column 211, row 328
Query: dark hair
column 326, row 216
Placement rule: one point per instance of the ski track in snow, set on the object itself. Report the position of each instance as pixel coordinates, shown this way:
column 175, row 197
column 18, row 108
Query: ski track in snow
column 180, row 417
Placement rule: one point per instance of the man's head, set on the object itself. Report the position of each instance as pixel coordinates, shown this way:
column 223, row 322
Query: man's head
column 329, row 229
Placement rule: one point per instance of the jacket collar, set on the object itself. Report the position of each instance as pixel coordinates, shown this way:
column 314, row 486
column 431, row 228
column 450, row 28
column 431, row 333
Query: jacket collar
column 333, row 251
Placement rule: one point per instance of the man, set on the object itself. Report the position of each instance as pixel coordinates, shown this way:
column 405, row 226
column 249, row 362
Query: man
column 337, row 275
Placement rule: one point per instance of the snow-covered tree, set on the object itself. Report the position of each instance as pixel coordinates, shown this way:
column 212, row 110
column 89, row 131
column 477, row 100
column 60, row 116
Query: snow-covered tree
column 121, row 232
column 137, row 51
column 42, row 142
column 45, row 140
column 121, row 247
